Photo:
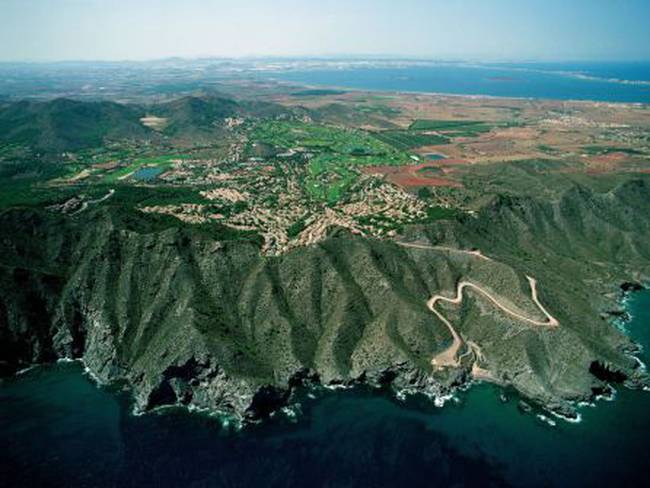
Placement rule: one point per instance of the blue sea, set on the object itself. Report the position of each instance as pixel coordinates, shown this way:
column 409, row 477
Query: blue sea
column 59, row 429
column 610, row 82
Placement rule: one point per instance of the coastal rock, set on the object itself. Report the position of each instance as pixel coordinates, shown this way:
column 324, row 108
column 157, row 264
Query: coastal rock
column 606, row 372
column 147, row 302
column 631, row 286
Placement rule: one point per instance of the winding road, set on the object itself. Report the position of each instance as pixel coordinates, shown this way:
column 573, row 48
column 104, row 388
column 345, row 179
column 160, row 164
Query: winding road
column 449, row 357
column 85, row 204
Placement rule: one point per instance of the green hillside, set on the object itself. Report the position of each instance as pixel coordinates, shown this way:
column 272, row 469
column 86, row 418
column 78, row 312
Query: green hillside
column 181, row 314
column 69, row 125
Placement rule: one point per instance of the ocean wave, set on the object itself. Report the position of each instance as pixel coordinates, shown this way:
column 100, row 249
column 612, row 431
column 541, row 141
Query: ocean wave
column 440, row 401
column 68, row 360
column 292, row 412
column 546, row 420
column 26, row 370
column 572, row 420
column 609, row 397
column 337, row 386
column 91, row 374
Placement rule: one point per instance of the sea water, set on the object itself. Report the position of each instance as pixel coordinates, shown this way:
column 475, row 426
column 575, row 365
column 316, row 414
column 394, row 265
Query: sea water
column 609, row 82
column 59, row 429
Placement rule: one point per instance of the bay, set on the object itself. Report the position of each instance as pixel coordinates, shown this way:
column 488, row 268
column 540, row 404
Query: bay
column 606, row 82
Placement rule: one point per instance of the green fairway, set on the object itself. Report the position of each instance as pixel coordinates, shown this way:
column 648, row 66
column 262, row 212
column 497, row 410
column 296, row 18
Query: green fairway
column 328, row 178
column 293, row 135
column 333, row 154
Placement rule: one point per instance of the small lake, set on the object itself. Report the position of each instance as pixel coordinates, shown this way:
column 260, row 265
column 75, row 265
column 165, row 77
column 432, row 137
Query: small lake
column 147, row 174
column 435, row 157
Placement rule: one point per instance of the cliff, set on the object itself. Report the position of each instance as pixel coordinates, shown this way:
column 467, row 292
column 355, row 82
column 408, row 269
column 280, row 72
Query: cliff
column 183, row 316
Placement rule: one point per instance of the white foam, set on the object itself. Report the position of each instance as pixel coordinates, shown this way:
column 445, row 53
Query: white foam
column 92, row 375
column 26, row 370
column 572, row 420
column 136, row 412
column 334, row 387
column 67, row 360
column 546, row 420
column 608, row 398
column 641, row 364
column 440, row 401
column 291, row 411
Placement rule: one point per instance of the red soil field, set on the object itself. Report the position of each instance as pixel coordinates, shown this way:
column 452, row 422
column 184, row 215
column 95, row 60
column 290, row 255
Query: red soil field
column 407, row 177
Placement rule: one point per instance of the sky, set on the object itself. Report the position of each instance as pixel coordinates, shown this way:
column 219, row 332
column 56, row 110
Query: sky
column 490, row 30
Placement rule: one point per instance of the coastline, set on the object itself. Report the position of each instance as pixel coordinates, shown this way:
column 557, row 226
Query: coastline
column 524, row 67
column 329, row 425
column 434, row 393
column 468, row 96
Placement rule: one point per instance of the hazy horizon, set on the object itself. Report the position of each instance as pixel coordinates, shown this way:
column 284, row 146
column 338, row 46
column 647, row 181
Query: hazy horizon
column 460, row 30
column 327, row 58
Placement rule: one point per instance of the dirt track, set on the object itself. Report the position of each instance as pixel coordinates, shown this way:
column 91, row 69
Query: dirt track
column 449, row 357
column 474, row 252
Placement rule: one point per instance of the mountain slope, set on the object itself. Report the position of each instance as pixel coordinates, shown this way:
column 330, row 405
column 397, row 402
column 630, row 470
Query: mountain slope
column 195, row 113
column 184, row 318
column 69, row 125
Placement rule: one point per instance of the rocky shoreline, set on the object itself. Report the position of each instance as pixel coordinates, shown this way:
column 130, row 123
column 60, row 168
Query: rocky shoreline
column 179, row 319
column 200, row 384
column 401, row 380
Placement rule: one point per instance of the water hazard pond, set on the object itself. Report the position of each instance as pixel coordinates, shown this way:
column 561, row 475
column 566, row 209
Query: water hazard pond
column 147, row 174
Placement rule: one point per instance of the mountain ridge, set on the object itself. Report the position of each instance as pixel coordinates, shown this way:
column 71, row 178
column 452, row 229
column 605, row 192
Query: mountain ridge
column 184, row 317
